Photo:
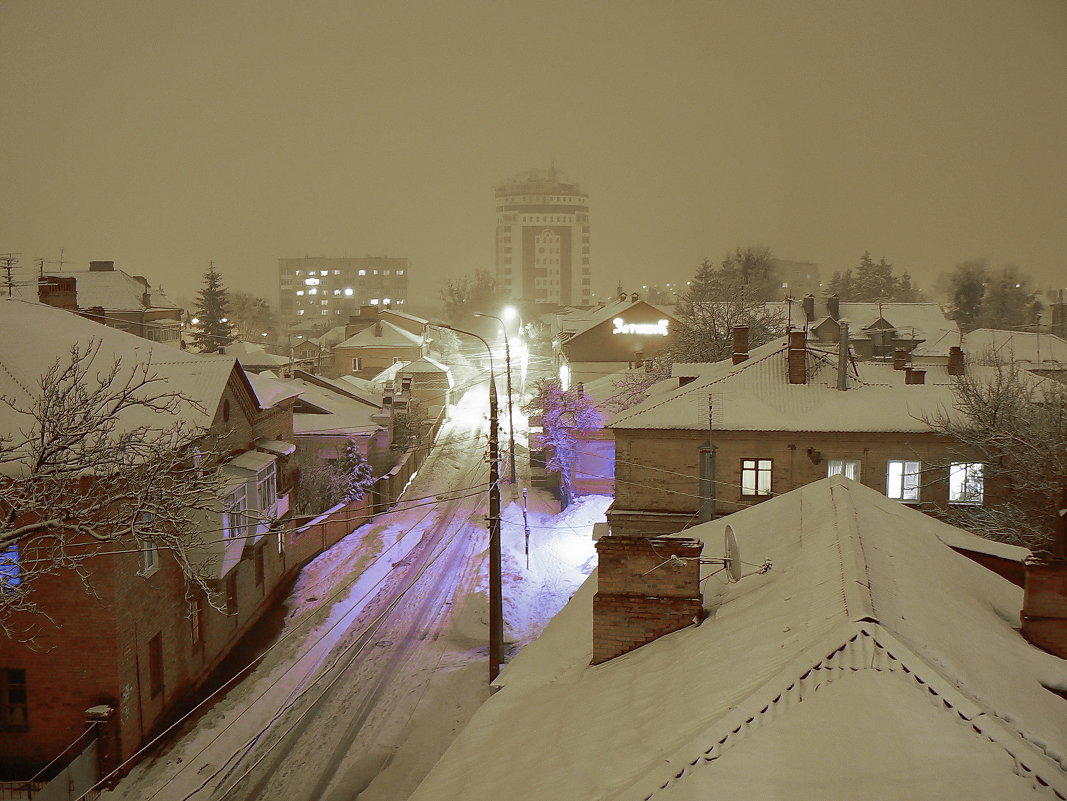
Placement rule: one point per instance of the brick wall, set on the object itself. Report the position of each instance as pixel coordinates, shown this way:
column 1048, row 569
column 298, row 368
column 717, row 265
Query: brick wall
column 641, row 595
column 1044, row 615
column 658, row 470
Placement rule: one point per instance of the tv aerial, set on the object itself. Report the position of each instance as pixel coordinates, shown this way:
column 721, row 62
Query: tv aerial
column 730, row 561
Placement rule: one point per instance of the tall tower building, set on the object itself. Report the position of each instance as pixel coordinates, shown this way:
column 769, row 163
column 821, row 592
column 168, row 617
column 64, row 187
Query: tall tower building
column 542, row 239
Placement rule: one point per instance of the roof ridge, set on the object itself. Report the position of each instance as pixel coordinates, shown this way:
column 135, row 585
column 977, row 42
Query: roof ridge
column 861, row 646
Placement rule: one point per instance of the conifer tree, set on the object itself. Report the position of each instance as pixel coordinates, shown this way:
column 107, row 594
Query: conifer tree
column 212, row 331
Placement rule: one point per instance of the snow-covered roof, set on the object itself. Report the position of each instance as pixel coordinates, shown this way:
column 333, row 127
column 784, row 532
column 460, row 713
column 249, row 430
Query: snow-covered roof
column 114, row 289
column 1040, row 349
column 332, row 337
column 756, row 395
column 871, row 662
column 338, row 413
column 611, row 310
column 251, row 354
column 391, row 336
column 271, row 391
column 359, row 388
column 34, row 335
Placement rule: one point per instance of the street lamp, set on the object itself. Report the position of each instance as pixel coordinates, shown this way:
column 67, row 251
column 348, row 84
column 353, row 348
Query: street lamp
column 511, row 413
column 496, row 597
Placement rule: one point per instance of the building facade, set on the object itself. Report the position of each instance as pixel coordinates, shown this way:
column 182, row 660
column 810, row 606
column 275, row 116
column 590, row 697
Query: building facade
column 328, row 290
column 542, row 239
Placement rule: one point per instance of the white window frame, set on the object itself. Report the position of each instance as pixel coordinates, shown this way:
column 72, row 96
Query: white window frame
column 903, row 479
column 234, row 519
column 266, row 479
column 149, row 556
column 761, row 473
column 960, row 474
column 357, row 363
column 849, row 468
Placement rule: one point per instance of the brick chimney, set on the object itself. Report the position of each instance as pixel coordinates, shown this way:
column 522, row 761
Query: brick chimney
column 809, row 308
column 740, row 343
column 797, row 358
column 955, row 361
column 833, row 306
column 913, row 376
column 842, row 356
column 642, row 593
column 101, row 266
column 1044, row 614
column 900, row 359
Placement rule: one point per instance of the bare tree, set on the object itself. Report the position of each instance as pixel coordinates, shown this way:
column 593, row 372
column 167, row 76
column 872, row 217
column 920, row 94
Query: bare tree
column 1015, row 425
column 96, row 457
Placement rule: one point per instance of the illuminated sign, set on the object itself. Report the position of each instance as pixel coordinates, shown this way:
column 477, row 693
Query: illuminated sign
column 658, row 328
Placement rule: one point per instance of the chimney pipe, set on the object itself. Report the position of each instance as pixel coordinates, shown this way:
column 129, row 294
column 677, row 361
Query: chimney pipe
column 740, row 343
column 833, row 306
column 900, row 359
column 809, row 308
column 913, row 376
column 101, row 266
column 646, row 587
column 1044, row 614
column 955, row 361
column 797, row 358
column 842, row 357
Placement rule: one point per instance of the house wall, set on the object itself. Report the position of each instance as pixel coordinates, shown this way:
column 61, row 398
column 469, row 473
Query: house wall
column 374, row 360
column 658, row 471
column 96, row 648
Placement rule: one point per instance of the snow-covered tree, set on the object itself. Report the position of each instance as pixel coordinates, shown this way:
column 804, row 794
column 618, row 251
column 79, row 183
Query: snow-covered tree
column 250, row 317
column 872, row 281
column 324, row 483
column 632, row 386
column 565, row 415
column 1014, row 425
column 95, row 457
column 213, row 330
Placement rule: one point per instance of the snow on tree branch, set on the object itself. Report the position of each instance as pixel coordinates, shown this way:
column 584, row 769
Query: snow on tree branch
column 96, row 458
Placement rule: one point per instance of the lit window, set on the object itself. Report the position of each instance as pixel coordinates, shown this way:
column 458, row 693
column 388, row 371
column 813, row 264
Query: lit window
column 299, row 311
column 348, row 291
column 386, row 301
column 311, row 281
column 385, row 272
column 399, row 272
column 233, row 519
column 324, row 272
column 296, row 272
column 300, row 291
column 362, row 272
column 10, row 568
column 325, row 311
column 375, row 272
column 337, row 292
column 756, row 477
column 324, row 302
column 849, row 468
column 336, row 272
column 313, row 291
column 374, row 301
column 966, row 483
column 902, row 480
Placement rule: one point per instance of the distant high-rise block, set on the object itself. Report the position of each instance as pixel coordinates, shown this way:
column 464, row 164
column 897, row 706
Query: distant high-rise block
column 542, row 239
column 328, row 290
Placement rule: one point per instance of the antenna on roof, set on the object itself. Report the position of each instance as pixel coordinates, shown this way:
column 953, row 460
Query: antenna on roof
column 730, row 561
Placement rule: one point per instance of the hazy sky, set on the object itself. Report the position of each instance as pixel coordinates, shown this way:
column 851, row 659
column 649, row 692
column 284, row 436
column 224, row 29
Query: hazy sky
column 164, row 134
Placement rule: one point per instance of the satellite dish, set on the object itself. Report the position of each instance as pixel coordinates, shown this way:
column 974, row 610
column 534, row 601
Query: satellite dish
column 732, row 560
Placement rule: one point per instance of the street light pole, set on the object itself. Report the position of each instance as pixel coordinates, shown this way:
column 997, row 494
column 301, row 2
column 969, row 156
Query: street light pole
column 496, row 596
column 511, row 412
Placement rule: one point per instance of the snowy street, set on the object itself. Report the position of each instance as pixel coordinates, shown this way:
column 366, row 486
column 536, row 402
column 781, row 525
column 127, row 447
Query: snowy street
column 383, row 655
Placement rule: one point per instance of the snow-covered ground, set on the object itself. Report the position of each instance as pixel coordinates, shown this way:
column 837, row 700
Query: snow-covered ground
column 449, row 681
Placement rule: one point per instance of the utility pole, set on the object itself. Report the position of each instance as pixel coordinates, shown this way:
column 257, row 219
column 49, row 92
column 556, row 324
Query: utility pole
column 496, row 597
column 526, row 524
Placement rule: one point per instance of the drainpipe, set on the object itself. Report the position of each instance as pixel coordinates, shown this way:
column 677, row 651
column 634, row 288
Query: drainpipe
column 707, row 482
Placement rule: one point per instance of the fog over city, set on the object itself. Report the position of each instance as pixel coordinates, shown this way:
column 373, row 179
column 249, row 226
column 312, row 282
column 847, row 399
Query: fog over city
column 166, row 135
